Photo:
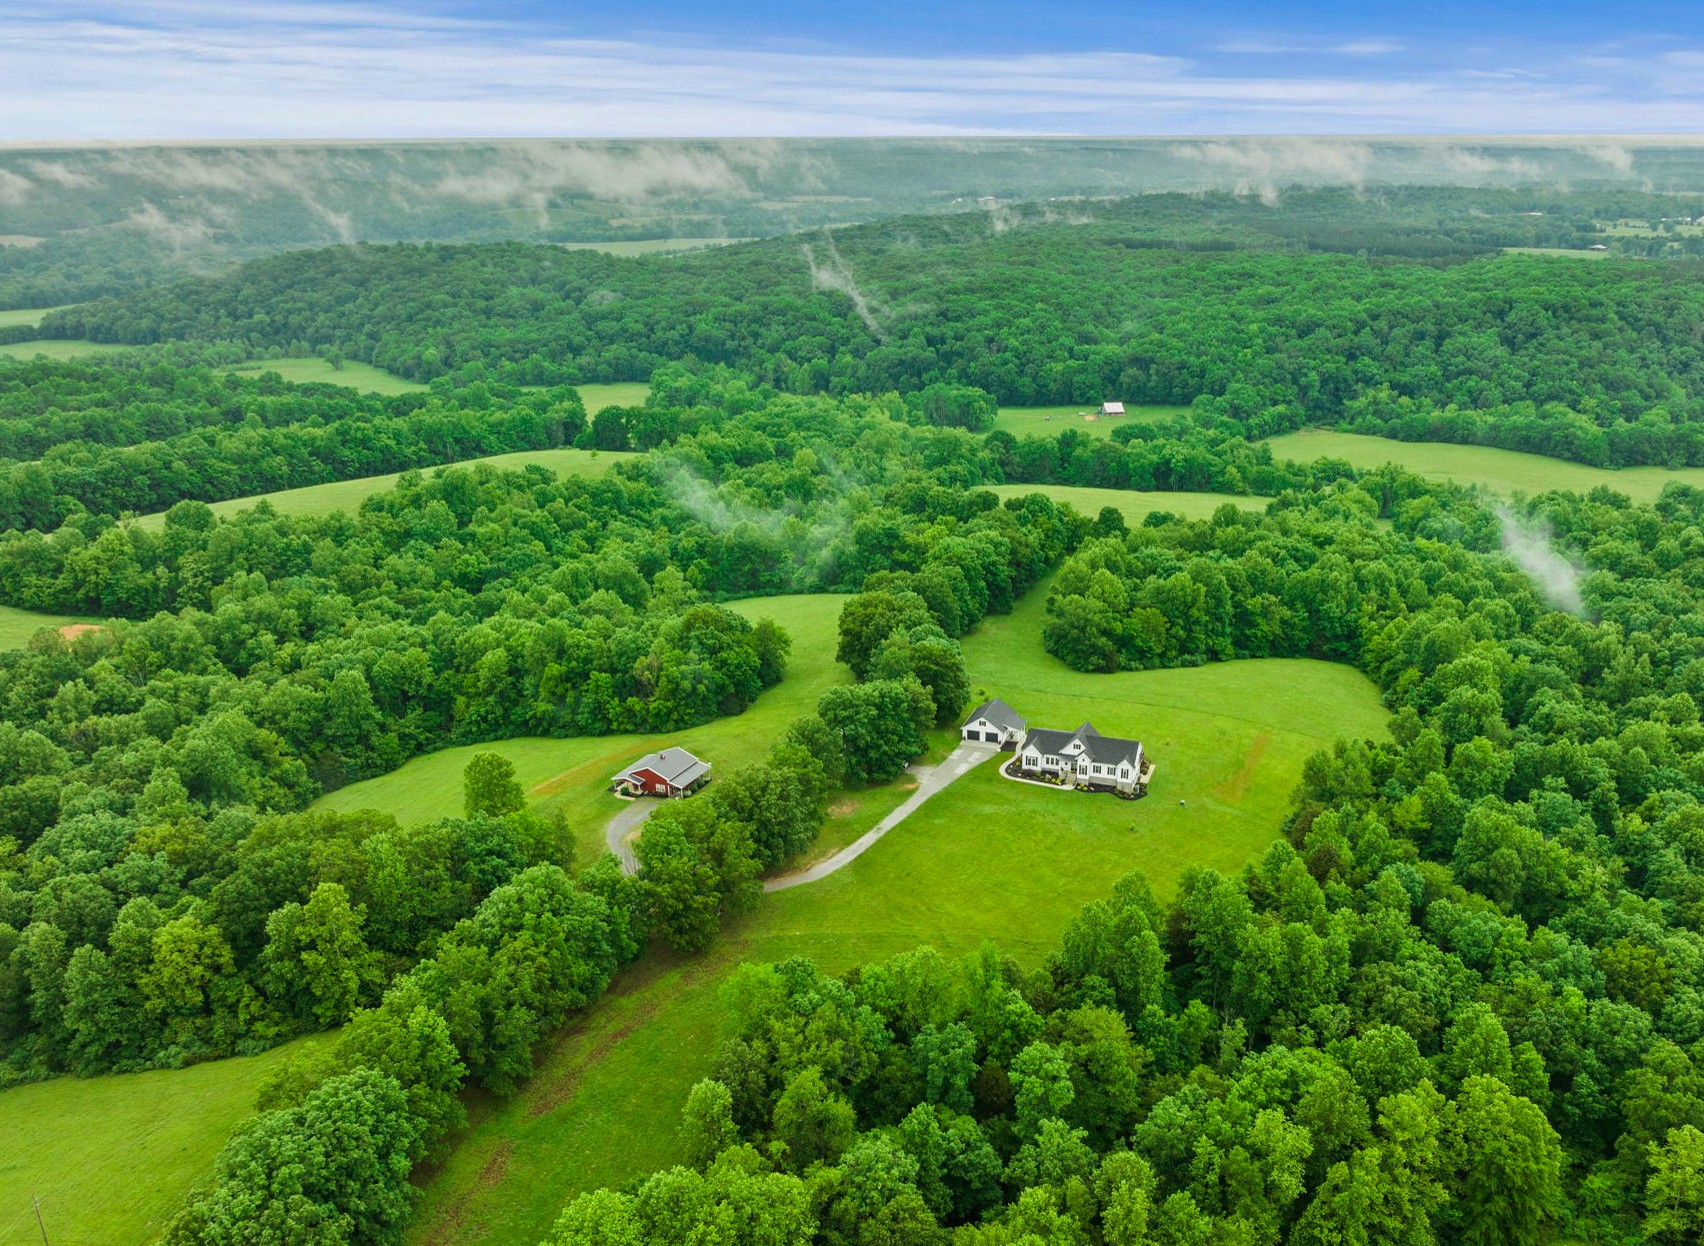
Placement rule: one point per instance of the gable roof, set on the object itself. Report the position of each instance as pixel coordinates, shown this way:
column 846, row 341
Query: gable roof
column 1102, row 750
column 1113, row 408
column 998, row 713
column 676, row 766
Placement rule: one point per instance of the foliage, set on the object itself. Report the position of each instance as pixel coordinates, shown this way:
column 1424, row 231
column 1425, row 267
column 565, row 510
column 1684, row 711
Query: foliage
column 113, row 438
column 1590, row 361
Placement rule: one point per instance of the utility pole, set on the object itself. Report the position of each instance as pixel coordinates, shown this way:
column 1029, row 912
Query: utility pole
column 39, row 1224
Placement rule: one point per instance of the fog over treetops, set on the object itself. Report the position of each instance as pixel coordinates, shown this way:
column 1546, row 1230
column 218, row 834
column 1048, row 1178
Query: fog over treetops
column 266, row 196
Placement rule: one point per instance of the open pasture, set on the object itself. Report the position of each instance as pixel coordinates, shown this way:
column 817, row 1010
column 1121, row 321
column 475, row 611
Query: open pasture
column 1134, row 505
column 12, row 317
column 1565, row 253
column 651, row 246
column 111, row 1158
column 17, row 626
column 59, row 348
column 984, row 858
column 309, row 369
column 347, row 495
column 614, row 394
column 1501, row 471
column 1051, row 421
column 573, row 775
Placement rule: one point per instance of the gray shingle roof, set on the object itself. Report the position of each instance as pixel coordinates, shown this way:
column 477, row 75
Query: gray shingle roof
column 998, row 713
column 678, row 766
column 1103, row 750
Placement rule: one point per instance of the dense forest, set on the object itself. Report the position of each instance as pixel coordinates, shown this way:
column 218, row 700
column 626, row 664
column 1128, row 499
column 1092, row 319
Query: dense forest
column 156, row 768
column 1460, row 999
column 1596, row 362
column 137, row 437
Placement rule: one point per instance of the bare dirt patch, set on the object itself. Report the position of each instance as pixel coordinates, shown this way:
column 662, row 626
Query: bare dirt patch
column 843, row 808
column 1232, row 790
column 73, row 630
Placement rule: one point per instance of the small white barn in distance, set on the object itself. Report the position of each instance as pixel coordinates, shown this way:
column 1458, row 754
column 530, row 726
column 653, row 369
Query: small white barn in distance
column 1112, row 408
column 993, row 722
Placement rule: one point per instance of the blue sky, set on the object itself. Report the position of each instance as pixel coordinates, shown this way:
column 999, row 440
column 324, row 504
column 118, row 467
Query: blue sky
column 142, row 69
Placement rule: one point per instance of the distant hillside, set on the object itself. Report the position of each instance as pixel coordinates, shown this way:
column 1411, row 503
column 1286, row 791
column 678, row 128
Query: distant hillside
column 78, row 223
column 1398, row 314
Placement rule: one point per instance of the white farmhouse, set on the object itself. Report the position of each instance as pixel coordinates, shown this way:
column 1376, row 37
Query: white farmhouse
column 993, row 722
column 1085, row 757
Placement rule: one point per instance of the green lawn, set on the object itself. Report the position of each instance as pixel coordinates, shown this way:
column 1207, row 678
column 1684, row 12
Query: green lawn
column 348, row 495
column 1501, row 471
column 1051, row 421
column 26, row 315
column 651, row 246
column 1566, row 253
column 17, row 626
column 59, row 348
column 987, row 858
column 573, row 775
column 614, row 394
column 1133, row 505
column 111, row 1158
column 307, row 369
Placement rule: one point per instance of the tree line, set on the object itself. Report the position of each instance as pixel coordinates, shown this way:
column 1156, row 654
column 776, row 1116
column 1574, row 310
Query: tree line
column 109, row 439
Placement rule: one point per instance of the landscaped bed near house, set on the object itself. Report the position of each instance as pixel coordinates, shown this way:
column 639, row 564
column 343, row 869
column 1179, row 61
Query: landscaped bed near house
column 1015, row 771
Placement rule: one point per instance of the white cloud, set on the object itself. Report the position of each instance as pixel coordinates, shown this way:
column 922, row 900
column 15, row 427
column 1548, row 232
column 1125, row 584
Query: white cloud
column 168, row 69
column 1302, row 47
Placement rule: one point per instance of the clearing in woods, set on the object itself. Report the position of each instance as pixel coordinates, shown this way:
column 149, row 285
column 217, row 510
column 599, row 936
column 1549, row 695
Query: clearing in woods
column 1051, row 421
column 347, row 495
column 309, row 369
column 1134, row 505
column 12, row 317
column 17, row 626
column 1501, row 471
column 59, row 348
column 984, row 857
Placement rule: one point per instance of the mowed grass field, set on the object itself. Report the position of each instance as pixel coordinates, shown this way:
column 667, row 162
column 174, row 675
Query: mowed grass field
column 17, row 626
column 111, row 1158
column 1565, row 253
column 987, row 858
column 1134, row 505
column 59, row 348
column 305, row 370
column 14, row 316
column 651, row 246
column 308, row 369
column 614, row 394
column 1051, row 421
column 347, row 495
column 1501, row 471
column 573, row 775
